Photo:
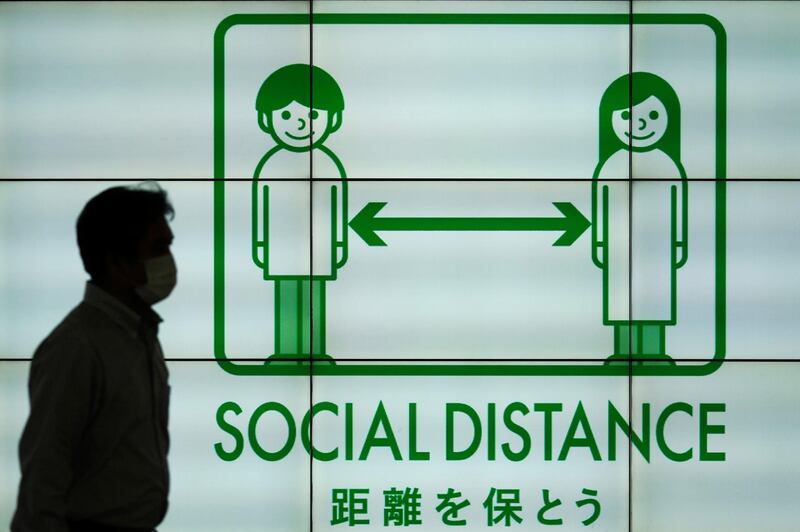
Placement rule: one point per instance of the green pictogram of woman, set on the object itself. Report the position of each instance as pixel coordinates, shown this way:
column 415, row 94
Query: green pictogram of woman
column 642, row 130
column 299, row 237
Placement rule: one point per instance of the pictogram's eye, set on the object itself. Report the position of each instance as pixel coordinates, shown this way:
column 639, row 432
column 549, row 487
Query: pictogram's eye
column 625, row 115
column 653, row 115
column 314, row 114
column 286, row 115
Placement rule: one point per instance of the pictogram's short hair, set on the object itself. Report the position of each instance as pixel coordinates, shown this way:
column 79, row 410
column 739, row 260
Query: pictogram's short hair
column 116, row 220
column 303, row 84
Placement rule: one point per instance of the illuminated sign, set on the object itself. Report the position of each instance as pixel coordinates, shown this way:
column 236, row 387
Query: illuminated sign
column 490, row 264
column 636, row 190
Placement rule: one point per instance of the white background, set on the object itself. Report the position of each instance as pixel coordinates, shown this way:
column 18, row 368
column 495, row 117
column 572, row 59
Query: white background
column 125, row 91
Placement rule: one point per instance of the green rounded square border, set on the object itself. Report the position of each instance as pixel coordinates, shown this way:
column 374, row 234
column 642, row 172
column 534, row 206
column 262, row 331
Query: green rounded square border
column 539, row 368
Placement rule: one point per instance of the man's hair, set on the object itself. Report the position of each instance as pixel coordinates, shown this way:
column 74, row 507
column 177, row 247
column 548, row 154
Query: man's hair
column 115, row 221
column 296, row 83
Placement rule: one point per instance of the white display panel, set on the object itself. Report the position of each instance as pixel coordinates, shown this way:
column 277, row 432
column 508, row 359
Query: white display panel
column 435, row 317
column 752, row 478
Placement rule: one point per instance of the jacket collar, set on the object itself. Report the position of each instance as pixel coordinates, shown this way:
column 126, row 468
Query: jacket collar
column 130, row 320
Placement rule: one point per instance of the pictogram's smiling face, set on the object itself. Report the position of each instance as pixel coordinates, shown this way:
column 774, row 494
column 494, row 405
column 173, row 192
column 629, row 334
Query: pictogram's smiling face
column 643, row 125
column 298, row 126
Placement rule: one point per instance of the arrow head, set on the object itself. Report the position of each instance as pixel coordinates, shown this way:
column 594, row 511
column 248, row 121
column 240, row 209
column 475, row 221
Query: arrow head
column 363, row 223
column 575, row 224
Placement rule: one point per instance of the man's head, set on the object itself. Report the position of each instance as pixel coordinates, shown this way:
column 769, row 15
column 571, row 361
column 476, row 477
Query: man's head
column 124, row 240
column 299, row 106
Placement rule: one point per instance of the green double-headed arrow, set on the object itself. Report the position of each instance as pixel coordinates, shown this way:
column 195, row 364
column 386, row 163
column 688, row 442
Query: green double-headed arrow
column 366, row 224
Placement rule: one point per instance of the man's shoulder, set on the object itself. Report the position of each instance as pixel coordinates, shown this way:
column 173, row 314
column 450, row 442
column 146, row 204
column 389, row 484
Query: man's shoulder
column 73, row 336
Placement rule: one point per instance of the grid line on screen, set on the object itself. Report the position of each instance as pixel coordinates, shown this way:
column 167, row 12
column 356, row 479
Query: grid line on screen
column 311, row 263
column 631, row 180
column 630, row 263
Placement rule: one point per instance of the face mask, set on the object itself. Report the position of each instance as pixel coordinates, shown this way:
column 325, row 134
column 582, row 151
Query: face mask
column 162, row 276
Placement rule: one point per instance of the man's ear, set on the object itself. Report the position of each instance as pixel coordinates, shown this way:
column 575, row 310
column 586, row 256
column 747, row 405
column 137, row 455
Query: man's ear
column 336, row 121
column 116, row 268
column 263, row 122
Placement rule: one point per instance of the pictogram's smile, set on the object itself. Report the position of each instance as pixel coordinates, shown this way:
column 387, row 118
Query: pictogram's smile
column 634, row 137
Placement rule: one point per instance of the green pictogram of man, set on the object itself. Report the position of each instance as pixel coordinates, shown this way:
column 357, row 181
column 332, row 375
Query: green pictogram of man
column 299, row 236
column 640, row 231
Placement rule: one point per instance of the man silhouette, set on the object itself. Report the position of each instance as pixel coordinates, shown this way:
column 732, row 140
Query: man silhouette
column 93, row 453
